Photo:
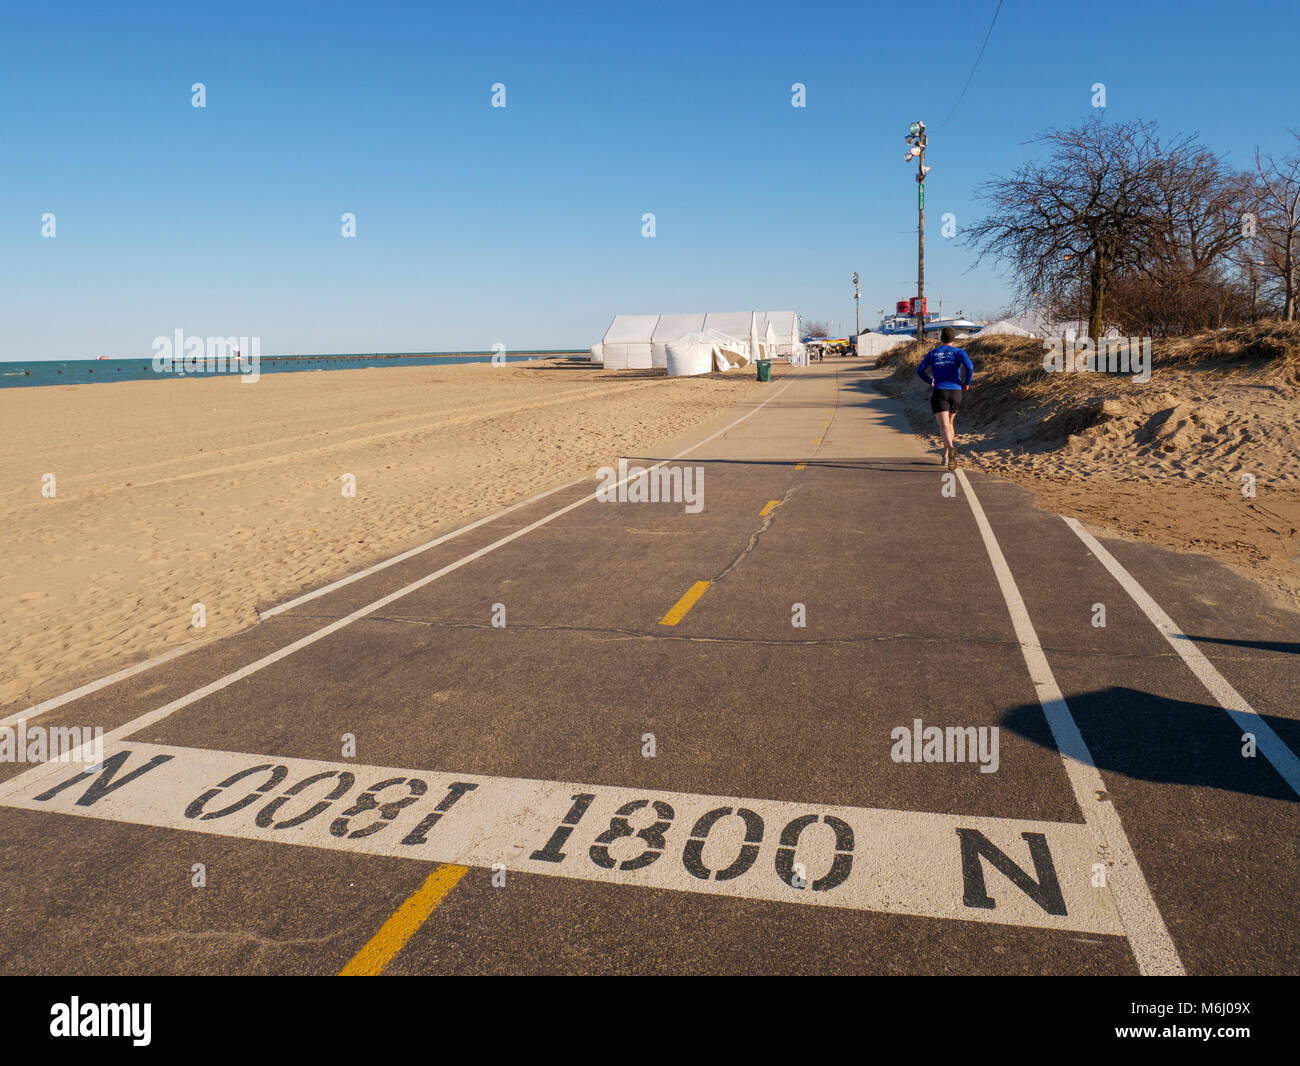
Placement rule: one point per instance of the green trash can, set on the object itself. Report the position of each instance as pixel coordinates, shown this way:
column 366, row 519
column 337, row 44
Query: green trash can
column 765, row 370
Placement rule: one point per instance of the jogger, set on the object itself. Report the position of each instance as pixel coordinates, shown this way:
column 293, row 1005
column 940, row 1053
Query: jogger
column 948, row 371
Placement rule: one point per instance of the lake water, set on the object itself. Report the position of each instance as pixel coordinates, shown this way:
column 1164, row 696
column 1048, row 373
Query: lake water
column 96, row 371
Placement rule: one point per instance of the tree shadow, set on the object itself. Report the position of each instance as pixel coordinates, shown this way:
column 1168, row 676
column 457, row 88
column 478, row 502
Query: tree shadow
column 895, row 465
column 1288, row 647
column 1151, row 738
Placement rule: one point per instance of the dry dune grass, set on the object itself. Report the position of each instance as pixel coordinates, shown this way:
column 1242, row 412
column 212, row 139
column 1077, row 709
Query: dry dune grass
column 1165, row 460
column 1271, row 347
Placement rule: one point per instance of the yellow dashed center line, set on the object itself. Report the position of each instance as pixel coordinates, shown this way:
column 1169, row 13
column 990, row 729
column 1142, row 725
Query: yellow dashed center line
column 767, row 509
column 394, row 933
column 684, row 604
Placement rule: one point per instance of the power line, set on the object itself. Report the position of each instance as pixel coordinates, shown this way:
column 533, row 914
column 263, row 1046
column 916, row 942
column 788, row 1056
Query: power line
column 977, row 62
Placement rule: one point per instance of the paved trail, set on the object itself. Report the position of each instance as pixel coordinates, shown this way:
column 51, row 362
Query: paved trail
column 624, row 737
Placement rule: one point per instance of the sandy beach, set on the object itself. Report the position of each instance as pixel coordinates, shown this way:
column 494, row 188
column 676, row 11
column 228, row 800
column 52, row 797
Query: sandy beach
column 172, row 493
column 181, row 492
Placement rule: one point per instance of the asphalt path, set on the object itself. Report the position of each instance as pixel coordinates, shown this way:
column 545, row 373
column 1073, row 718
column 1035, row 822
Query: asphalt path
column 614, row 736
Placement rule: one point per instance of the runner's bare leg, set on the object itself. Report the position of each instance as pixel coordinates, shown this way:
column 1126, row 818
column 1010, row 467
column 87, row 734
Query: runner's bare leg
column 946, row 428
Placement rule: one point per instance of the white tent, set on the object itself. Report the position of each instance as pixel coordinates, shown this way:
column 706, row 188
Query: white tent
column 705, row 350
column 732, row 348
column 873, row 344
column 1079, row 330
column 785, row 326
column 626, row 344
column 732, row 323
column 1038, row 324
column 1005, row 327
column 641, row 341
column 669, row 328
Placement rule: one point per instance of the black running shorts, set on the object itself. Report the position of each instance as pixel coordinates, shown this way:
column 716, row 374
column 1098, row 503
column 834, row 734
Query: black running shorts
column 945, row 400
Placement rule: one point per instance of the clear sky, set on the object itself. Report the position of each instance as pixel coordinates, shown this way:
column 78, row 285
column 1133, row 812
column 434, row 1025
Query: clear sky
column 522, row 225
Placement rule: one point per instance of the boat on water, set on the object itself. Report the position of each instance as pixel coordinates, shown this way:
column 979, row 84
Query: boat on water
column 906, row 312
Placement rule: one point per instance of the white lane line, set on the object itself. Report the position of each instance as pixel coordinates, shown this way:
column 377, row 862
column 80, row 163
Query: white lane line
column 155, row 716
column 1273, row 747
column 1007, row 871
column 58, row 701
column 95, row 686
column 1152, row 945
column 341, row 582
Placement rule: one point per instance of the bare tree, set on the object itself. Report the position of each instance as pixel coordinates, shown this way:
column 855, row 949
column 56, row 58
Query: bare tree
column 1175, row 304
column 1187, row 276
column 815, row 329
column 1278, row 205
column 1092, row 204
column 1200, row 206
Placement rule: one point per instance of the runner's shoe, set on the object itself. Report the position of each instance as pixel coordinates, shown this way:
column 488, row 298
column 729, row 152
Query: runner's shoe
column 952, row 458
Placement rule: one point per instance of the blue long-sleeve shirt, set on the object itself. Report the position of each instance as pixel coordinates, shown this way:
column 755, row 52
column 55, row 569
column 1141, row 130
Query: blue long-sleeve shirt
column 948, row 368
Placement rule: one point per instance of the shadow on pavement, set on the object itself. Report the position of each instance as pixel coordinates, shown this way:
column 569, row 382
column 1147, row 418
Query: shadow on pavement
column 898, row 464
column 1287, row 647
column 1150, row 738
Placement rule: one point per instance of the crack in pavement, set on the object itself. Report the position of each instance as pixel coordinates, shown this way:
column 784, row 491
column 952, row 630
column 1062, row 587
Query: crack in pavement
column 753, row 537
column 883, row 638
column 245, row 935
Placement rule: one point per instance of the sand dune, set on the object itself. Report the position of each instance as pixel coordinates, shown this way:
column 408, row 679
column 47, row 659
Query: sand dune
column 1164, row 461
column 171, row 493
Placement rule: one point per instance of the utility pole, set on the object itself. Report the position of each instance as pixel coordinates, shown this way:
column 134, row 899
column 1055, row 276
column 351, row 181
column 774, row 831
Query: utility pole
column 920, row 251
column 857, row 318
column 916, row 141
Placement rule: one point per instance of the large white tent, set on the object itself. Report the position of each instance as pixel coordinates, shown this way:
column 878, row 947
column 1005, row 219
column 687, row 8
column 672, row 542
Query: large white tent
column 638, row 342
column 1005, row 327
column 870, row 345
column 732, row 323
column 626, row 344
column 1038, row 324
column 705, row 350
column 785, row 329
column 669, row 328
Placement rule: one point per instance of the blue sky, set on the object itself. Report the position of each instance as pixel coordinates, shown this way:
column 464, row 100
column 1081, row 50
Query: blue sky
column 478, row 225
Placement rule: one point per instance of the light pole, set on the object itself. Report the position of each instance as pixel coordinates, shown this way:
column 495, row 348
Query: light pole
column 916, row 141
column 857, row 318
